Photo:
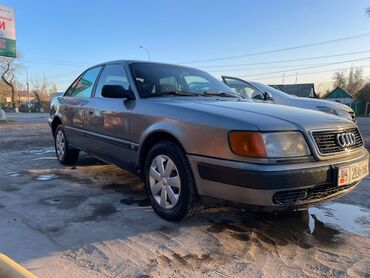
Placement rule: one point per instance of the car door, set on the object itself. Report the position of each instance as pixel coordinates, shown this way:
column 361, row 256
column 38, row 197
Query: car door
column 244, row 88
column 108, row 120
column 74, row 104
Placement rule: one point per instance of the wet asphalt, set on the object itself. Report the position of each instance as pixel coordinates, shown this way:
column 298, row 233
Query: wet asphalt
column 96, row 219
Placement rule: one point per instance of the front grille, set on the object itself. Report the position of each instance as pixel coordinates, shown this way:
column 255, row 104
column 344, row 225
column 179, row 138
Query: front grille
column 327, row 143
column 301, row 196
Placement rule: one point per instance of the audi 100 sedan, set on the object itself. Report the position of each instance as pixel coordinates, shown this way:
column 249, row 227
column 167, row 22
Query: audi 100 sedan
column 188, row 135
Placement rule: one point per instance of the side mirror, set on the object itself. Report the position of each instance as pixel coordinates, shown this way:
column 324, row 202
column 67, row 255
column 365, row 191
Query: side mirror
column 116, row 91
column 268, row 96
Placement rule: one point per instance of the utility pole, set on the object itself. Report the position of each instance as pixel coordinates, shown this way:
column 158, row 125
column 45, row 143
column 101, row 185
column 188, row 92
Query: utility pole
column 147, row 51
column 29, row 97
column 296, row 77
column 283, row 77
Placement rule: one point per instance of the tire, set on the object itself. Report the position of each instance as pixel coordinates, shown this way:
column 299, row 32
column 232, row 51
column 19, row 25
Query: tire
column 65, row 154
column 181, row 198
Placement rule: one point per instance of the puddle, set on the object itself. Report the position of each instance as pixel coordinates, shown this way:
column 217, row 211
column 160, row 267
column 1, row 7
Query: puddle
column 46, row 177
column 64, row 202
column 101, row 211
column 45, row 158
column 140, row 202
column 326, row 225
column 40, row 151
column 53, row 202
column 13, row 174
column 9, row 188
column 350, row 218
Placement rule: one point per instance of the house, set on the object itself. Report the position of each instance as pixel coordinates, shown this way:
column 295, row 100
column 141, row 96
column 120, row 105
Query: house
column 299, row 90
column 23, row 96
column 20, row 96
column 340, row 95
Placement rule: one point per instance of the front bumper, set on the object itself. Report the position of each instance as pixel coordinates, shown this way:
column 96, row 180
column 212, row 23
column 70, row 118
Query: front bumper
column 271, row 187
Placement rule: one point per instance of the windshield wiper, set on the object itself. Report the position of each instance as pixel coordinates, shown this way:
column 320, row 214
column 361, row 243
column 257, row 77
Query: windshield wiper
column 178, row 93
column 221, row 94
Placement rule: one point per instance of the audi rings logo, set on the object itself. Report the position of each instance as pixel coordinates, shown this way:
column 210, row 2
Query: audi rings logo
column 346, row 140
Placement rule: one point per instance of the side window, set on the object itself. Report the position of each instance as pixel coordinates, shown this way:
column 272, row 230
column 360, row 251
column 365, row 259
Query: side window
column 69, row 92
column 112, row 75
column 245, row 90
column 86, row 83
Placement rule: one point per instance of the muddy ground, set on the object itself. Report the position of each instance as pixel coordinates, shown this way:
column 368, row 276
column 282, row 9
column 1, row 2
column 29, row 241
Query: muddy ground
column 93, row 220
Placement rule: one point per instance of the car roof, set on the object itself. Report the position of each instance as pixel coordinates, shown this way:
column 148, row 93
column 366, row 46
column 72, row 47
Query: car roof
column 128, row 62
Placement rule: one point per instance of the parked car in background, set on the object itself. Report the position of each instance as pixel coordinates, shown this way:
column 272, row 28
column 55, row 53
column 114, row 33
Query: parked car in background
column 186, row 134
column 33, row 106
column 262, row 92
column 8, row 107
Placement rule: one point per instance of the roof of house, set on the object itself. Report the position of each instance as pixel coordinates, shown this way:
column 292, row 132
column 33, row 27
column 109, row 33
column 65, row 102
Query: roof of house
column 300, row 90
column 338, row 92
column 23, row 93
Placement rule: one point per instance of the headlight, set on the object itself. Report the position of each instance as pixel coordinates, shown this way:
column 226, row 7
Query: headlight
column 269, row 144
column 285, row 144
column 336, row 112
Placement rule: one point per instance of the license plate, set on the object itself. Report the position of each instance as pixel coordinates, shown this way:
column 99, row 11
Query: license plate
column 352, row 173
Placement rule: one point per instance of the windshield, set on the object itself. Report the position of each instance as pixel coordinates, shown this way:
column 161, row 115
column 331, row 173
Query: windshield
column 269, row 89
column 159, row 79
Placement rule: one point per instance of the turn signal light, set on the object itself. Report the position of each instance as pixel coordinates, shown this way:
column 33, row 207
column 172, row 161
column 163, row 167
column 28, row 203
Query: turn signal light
column 245, row 143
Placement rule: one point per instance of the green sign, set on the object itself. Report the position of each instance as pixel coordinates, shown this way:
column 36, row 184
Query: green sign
column 7, row 32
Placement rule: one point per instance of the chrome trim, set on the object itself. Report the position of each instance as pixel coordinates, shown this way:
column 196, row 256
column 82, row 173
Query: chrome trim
column 109, row 139
column 346, row 139
column 337, row 154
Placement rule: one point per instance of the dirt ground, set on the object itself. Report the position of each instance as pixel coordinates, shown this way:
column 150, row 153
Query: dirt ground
column 94, row 220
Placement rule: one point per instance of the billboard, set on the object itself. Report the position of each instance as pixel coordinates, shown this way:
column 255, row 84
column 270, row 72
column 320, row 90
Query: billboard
column 7, row 32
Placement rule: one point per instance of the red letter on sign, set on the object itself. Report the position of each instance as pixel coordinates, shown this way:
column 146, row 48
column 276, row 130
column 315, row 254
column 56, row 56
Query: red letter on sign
column 2, row 25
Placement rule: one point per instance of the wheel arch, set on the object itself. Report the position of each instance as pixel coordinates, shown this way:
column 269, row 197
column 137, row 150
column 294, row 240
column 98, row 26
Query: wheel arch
column 151, row 140
column 54, row 124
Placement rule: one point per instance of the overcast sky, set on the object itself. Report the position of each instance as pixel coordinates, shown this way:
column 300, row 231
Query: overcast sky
column 61, row 38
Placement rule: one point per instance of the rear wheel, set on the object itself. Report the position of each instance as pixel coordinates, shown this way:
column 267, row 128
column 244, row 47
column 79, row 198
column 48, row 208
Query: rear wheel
column 64, row 153
column 169, row 182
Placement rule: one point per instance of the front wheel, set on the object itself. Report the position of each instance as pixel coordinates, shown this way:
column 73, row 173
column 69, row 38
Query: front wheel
column 64, row 153
column 169, row 182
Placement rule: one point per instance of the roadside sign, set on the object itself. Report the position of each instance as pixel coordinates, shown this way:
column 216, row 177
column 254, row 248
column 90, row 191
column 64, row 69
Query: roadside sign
column 7, row 32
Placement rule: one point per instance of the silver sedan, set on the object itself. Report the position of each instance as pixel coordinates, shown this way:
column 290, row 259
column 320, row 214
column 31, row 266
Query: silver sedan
column 189, row 135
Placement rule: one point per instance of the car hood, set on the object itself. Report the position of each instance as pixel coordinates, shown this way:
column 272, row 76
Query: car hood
column 312, row 103
column 264, row 116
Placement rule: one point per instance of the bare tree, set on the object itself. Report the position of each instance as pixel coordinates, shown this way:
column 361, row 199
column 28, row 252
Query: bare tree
column 355, row 80
column 340, row 79
column 53, row 89
column 9, row 67
column 40, row 86
column 351, row 82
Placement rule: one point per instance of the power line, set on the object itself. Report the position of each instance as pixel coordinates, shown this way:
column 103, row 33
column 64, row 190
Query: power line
column 306, row 73
column 77, row 65
column 285, row 61
column 279, row 50
column 252, row 68
column 322, row 65
column 58, row 61
column 54, row 64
